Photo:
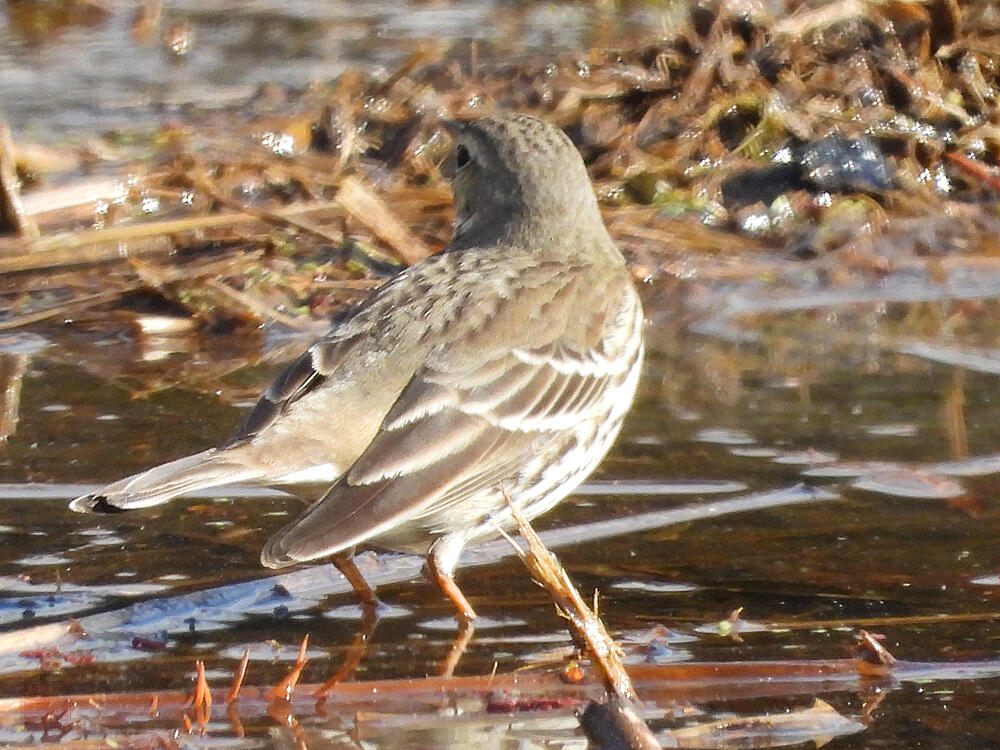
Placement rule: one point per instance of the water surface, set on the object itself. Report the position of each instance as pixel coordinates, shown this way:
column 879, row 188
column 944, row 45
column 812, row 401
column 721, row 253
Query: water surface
column 821, row 398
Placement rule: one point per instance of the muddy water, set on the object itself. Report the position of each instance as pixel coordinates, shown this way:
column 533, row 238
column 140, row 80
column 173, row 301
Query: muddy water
column 902, row 453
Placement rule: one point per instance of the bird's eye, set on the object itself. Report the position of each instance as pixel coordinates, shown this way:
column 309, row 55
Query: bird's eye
column 462, row 157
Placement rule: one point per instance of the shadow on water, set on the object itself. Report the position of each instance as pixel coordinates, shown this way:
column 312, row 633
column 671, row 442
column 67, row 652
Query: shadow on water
column 876, row 420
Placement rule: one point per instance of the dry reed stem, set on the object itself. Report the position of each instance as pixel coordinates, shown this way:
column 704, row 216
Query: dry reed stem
column 13, row 218
column 366, row 207
column 83, row 194
column 238, row 677
column 102, row 245
column 585, row 627
column 422, row 55
column 270, row 217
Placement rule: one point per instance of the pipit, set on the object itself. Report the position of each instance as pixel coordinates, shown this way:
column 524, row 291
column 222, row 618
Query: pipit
column 501, row 367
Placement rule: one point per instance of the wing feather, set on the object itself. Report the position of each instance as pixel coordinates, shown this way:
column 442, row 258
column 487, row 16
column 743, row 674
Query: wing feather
column 304, row 375
column 520, row 404
column 350, row 514
column 416, row 446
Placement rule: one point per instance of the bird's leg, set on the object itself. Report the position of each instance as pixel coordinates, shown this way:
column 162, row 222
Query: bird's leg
column 355, row 652
column 458, row 646
column 440, row 564
column 345, row 564
column 369, row 618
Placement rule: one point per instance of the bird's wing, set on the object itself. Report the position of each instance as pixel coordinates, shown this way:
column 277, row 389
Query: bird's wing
column 469, row 421
column 302, row 376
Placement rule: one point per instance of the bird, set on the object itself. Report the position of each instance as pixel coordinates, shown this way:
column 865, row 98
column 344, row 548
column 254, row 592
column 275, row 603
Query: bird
column 498, row 370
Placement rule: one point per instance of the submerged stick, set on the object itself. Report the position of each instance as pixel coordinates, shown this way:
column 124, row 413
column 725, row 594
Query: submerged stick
column 238, row 677
column 689, row 681
column 310, row 584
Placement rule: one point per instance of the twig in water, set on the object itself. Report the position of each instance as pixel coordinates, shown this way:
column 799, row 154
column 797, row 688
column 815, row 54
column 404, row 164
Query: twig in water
column 587, row 629
column 241, row 673
column 283, row 690
column 201, row 701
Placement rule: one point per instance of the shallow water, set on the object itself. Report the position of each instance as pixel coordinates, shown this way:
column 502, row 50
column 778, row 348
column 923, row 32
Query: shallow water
column 905, row 449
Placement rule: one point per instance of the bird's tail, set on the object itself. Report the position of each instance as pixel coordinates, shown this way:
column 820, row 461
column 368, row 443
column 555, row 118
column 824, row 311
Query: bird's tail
column 164, row 482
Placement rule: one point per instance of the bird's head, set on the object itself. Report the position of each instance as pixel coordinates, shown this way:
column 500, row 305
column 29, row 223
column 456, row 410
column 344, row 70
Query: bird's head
column 516, row 171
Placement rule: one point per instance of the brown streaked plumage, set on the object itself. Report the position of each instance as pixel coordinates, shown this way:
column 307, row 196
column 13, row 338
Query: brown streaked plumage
column 504, row 364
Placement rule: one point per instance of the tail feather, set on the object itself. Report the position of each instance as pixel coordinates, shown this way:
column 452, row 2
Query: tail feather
column 164, row 482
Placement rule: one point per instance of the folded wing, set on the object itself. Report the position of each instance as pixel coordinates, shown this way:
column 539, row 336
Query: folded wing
column 462, row 429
